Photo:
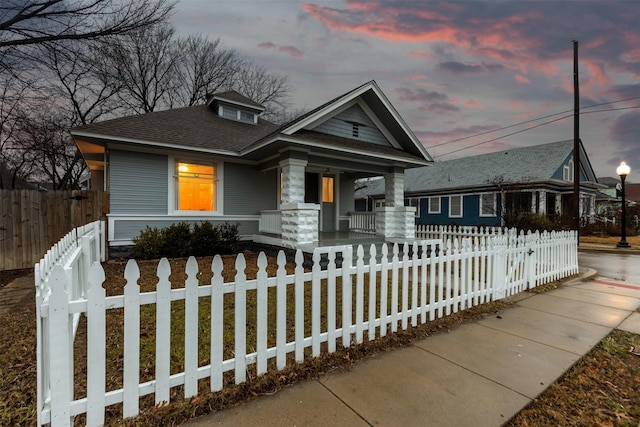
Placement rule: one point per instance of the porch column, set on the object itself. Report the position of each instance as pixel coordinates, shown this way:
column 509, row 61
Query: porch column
column 293, row 180
column 542, row 203
column 534, row 204
column 395, row 220
column 558, row 203
column 299, row 219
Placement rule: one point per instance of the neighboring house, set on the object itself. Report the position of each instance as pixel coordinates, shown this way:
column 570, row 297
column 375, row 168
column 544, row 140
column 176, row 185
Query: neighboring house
column 632, row 193
column 283, row 185
column 477, row 190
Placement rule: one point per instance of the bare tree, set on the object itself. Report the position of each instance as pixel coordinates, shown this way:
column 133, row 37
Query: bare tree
column 206, row 68
column 145, row 62
column 32, row 22
column 43, row 141
column 84, row 89
column 271, row 90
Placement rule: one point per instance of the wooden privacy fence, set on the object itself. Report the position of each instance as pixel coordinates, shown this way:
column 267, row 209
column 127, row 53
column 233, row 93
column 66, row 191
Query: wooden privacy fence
column 32, row 221
column 270, row 321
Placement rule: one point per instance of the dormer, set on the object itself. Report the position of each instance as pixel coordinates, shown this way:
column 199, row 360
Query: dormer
column 234, row 106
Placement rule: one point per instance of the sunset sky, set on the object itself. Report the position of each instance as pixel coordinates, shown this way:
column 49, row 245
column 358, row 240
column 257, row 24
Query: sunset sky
column 456, row 69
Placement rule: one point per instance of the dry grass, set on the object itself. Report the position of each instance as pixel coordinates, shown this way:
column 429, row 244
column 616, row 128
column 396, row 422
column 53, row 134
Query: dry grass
column 610, row 240
column 600, row 390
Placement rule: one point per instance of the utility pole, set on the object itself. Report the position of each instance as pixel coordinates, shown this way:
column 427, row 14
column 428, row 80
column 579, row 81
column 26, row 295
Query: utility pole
column 576, row 143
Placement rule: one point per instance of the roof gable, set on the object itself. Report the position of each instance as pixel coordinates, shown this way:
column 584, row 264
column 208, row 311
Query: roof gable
column 519, row 165
column 378, row 110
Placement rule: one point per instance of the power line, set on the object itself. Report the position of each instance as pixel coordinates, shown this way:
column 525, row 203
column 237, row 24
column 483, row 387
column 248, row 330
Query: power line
column 539, row 125
column 504, row 136
column 539, row 118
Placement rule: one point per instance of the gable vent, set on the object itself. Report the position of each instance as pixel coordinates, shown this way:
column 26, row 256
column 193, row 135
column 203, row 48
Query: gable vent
column 355, row 129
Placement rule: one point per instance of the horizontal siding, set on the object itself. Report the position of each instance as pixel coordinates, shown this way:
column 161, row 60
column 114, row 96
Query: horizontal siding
column 470, row 213
column 138, row 183
column 347, row 203
column 342, row 125
column 247, row 191
column 127, row 229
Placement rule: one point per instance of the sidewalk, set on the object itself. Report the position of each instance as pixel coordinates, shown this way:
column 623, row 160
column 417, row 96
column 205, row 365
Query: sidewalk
column 479, row 374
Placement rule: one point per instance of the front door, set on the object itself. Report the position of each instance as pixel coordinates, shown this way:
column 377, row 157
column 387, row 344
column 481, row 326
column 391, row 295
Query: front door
column 321, row 189
column 328, row 210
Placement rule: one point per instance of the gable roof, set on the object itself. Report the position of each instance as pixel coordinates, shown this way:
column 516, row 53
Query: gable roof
column 197, row 127
column 370, row 95
column 519, row 165
column 233, row 97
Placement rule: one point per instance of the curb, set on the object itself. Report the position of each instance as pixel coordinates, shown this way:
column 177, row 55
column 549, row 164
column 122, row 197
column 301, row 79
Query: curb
column 588, row 274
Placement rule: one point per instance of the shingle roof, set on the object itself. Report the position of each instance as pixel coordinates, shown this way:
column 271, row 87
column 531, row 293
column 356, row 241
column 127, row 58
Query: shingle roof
column 519, row 165
column 196, row 127
column 234, row 97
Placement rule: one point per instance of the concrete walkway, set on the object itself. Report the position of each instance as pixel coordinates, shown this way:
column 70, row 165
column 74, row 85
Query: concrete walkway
column 479, row 374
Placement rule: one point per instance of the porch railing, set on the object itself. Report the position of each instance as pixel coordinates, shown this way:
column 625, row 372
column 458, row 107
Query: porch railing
column 362, row 221
column 270, row 222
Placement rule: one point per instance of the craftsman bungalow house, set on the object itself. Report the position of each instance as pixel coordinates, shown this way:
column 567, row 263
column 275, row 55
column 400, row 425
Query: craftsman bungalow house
column 479, row 190
column 284, row 185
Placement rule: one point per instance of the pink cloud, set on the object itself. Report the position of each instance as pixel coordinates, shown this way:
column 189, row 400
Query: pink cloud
column 291, row 50
column 470, row 103
column 522, row 79
column 267, row 45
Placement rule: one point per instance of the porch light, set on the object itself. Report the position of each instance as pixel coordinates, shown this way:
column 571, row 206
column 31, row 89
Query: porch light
column 622, row 171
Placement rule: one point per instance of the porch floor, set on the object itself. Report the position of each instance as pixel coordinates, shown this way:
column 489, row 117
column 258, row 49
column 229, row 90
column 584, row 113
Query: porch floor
column 336, row 238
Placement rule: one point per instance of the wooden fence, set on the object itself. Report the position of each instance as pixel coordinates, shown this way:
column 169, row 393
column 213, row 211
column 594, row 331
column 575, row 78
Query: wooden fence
column 340, row 304
column 32, row 221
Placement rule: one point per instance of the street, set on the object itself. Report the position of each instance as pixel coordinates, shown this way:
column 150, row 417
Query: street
column 621, row 266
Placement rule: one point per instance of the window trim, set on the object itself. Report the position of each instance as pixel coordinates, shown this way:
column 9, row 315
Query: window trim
column 493, row 209
column 429, row 210
column 567, row 171
column 451, row 215
column 407, row 202
column 172, row 202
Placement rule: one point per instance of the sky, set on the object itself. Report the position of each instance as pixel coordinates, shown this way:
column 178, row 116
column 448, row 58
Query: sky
column 456, row 71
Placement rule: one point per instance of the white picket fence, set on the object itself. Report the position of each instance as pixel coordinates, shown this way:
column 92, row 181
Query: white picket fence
column 71, row 259
column 408, row 286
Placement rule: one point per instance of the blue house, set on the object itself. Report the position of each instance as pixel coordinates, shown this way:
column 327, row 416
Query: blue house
column 480, row 190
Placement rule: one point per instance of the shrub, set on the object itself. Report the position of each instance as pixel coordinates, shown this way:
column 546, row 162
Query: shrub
column 526, row 221
column 148, row 243
column 229, row 238
column 206, row 239
column 176, row 240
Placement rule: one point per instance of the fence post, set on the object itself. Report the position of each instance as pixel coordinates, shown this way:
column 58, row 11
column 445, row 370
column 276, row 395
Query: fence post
column 499, row 269
column 96, row 350
column 60, row 325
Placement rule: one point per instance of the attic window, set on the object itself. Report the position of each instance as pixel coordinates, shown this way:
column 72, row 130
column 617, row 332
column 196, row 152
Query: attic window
column 233, row 113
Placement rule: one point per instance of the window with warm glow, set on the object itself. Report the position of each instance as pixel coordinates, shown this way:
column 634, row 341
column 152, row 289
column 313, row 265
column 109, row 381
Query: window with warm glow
column 196, row 187
column 327, row 189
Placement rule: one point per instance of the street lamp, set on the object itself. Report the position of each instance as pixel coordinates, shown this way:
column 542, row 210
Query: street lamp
column 623, row 170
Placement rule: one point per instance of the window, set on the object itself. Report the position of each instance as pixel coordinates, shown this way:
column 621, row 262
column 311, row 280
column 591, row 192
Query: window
column 380, row 203
column 567, row 171
column 229, row 113
column 414, row 202
column 237, row 114
column 488, row 204
column 246, row 117
column 196, row 186
column 455, row 206
column 327, row 189
column 434, row 205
